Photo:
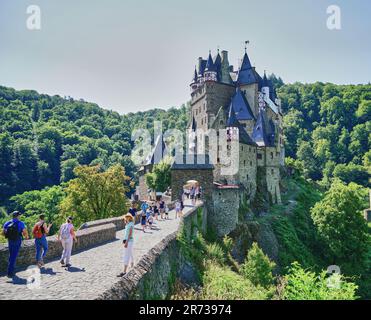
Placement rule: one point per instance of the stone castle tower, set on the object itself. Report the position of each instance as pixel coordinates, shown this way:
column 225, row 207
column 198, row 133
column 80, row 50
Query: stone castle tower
column 245, row 105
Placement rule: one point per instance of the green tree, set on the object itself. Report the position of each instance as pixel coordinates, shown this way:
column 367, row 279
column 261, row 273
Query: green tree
column 303, row 284
column 160, row 177
column 258, row 268
column 94, row 194
column 339, row 221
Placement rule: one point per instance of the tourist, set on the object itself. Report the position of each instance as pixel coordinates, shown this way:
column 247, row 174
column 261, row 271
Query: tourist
column 162, row 208
column 192, row 195
column 133, row 211
column 14, row 231
column 197, row 193
column 40, row 231
column 144, row 206
column 149, row 213
column 143, row 220
column 66, row 235
column 166, row 211
column 178, row 209
column 155, row 211
column 150, row 221
column 128, row 243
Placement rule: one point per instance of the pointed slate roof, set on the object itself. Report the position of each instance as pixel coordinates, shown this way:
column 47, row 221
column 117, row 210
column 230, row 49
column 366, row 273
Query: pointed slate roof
column 210, row 66
column 218, row 65
column 158, row 151
column 201, row 67
column 195, row 76
column 263, row 135
column 246, row 74
column 265, row 82
column 241, row 106
column 233, row 122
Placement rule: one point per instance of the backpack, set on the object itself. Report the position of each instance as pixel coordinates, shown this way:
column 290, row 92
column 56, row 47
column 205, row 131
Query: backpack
column 37, row 231
column 65, row 231
column 12, row 232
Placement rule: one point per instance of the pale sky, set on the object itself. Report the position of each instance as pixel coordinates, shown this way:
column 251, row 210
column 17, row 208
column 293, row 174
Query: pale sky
column 131, row 55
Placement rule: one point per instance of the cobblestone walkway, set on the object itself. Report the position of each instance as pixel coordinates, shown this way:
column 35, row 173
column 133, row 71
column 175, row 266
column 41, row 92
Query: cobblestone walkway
column 93, row 271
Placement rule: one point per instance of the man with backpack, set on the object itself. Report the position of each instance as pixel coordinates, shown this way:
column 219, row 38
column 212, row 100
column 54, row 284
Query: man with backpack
column 40, row 230
column 14, row 230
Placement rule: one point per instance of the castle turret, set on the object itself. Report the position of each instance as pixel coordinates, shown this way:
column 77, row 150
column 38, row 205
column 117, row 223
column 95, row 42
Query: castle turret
column 265, row 86
column 194, row 83
column 210, row 73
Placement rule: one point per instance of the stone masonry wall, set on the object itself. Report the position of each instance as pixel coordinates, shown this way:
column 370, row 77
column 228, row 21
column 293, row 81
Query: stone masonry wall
column 86, row 238
column 224, row 216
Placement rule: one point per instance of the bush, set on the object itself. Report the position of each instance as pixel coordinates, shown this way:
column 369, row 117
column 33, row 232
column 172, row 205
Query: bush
column 258, row 268
column 302, row 284
column 221, row 283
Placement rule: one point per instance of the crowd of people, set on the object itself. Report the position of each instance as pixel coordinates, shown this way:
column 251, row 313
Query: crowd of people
column 15, row 231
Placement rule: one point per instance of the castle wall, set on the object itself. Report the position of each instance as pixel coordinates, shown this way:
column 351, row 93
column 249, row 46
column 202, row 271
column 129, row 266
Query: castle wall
column 207, row 100
column 224, row 216
column 247, row 169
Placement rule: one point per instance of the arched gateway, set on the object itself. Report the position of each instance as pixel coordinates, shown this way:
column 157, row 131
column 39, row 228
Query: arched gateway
column 193, row 167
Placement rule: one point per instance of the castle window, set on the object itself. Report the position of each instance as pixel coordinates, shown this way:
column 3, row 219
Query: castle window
column 254, row 150
column 221, row 122
column 241, row 148
column 272, row 171
column 247, row 177
column 272, row 155
column 249, row 149
column 260, row 156
column 218, row 160
column 244, row 162
column 251, row 163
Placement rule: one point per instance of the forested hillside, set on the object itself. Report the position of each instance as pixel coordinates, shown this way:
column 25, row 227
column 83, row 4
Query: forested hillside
column 43, row 138
column 328, row 130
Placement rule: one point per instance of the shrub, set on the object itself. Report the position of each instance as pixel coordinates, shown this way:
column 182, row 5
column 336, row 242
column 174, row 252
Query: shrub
column 306, row 285
column 258, row 268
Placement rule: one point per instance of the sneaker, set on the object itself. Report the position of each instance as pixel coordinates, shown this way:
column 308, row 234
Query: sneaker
column 62, row 262
column 67, row 265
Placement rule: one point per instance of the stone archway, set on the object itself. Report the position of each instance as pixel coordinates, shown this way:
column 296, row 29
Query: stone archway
column 180, row 177
column 191, row 170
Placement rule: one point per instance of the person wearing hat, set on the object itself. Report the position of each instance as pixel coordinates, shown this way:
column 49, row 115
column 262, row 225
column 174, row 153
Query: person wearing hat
column 66, row 235
column 128, row 243
column 14, row 230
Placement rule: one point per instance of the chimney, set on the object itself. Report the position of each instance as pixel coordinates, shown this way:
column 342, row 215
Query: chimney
column 225, row 56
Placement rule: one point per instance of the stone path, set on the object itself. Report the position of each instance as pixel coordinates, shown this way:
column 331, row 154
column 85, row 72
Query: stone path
column 93, row 271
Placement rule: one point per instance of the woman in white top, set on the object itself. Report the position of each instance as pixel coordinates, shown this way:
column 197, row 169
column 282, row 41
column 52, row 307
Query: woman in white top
column 66, row 235
column 128, row 243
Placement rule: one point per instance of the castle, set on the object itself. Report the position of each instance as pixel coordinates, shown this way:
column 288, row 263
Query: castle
column 245, row 105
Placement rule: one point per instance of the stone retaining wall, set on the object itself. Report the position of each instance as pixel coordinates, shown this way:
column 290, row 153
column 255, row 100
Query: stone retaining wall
column 154, row 275
column 87, row 238
column 117, row 221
